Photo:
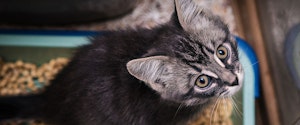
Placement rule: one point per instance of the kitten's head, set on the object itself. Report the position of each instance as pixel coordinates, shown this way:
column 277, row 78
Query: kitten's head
column 200, row 63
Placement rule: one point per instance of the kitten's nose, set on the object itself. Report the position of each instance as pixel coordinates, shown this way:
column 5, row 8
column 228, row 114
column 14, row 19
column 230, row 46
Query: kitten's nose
column 234, row 83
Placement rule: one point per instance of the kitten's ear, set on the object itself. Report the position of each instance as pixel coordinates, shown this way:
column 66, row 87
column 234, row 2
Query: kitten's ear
column 192, row 16
column 150, row 70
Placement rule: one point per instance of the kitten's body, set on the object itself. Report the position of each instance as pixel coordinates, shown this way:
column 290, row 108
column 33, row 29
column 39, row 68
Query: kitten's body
column 108, row 93
column 162, row 76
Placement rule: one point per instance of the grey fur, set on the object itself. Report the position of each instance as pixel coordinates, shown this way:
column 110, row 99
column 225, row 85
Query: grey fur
column 143, row 76
column 162, row 74
column 198, row 20
column 172, row 78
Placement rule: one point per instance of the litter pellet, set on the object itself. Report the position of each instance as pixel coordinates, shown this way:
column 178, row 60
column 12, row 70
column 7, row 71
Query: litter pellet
column 22, row 77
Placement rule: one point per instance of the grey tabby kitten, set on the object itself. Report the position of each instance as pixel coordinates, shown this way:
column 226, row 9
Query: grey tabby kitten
column 206, row 62
column 141, row 77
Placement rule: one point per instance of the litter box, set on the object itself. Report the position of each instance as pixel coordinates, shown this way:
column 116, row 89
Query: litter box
column 38, row 47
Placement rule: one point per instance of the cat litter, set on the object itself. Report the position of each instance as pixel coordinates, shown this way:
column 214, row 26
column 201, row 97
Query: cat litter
column 21, row 78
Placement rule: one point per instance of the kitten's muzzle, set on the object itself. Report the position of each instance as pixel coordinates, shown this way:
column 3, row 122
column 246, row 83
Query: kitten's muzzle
column 229, row 78
column 234, row 83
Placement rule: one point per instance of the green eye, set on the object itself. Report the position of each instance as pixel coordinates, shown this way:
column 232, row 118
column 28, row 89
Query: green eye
column 203, row 81
column 222, row 52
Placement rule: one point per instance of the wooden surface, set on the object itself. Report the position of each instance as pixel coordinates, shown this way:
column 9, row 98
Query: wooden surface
column 277, row 17
column 250, row 26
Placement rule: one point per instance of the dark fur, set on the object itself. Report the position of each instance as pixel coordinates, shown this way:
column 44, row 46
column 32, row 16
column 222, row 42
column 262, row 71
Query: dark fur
column 99, row 89
column 96, row 88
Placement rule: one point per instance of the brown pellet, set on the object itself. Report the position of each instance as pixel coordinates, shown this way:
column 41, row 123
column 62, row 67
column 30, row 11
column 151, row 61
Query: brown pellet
column 17, row 77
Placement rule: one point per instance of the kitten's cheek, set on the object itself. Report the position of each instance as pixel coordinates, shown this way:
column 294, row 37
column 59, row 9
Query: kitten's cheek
column 240, row 74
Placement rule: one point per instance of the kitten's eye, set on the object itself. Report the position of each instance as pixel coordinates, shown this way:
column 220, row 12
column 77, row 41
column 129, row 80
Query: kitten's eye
column 222, row 52
column 203, row 81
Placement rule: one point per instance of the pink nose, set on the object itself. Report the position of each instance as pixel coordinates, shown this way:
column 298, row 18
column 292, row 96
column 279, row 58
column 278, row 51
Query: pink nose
column 234, row 83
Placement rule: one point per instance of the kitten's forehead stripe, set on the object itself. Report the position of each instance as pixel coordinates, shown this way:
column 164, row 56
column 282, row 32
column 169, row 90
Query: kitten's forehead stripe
column 209, row 73
column 195, row 67
column 204, row 53
column 206, row 49
column 193, row 52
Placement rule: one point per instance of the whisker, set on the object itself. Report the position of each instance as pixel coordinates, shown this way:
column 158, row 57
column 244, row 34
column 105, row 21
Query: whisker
column 236, row 109
column 177, row 111
column 226, row 105
column 249, row 66
column 227, row 110
column 255, row 63
column 216, row 110
column 236, row 100
column 213, row 110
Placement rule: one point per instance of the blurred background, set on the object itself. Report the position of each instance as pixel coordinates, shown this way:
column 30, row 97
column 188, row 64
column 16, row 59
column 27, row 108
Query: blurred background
column 271, row 27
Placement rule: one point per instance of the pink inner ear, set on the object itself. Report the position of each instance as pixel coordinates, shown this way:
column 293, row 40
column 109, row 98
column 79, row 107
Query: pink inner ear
column 147, row 69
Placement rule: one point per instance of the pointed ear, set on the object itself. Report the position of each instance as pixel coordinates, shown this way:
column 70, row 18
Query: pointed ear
column 150, row 70
column 192, row 16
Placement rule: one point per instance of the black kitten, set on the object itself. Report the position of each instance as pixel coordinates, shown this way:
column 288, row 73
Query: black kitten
column 142, row 77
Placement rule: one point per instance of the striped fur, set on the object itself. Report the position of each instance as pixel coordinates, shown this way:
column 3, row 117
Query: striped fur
column 194, row 54
column 141, row 77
